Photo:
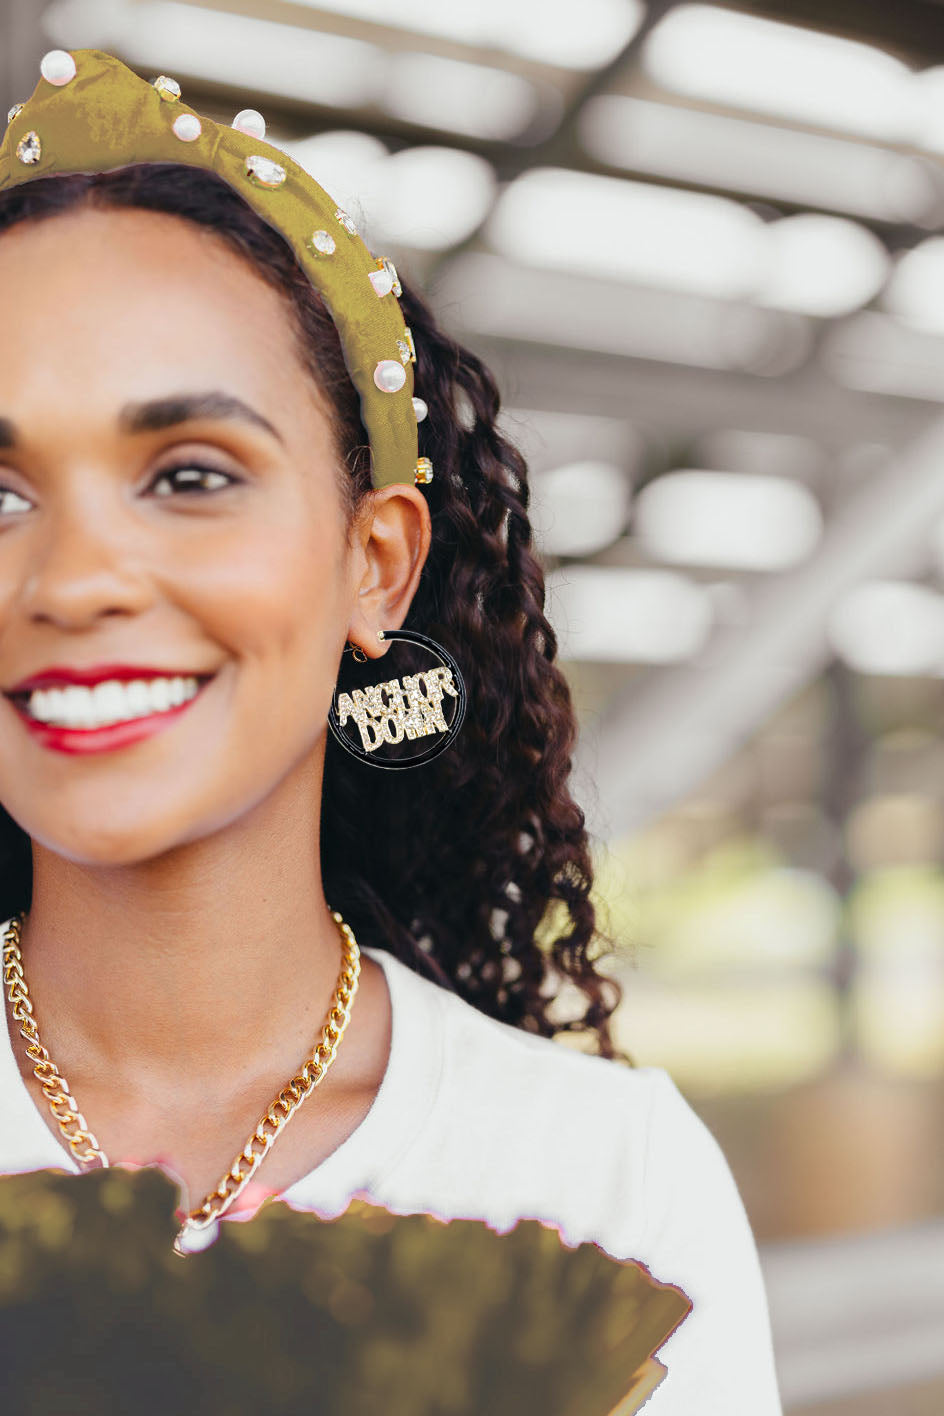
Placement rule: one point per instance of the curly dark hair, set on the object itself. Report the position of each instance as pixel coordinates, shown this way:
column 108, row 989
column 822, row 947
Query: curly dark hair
column 480, row 901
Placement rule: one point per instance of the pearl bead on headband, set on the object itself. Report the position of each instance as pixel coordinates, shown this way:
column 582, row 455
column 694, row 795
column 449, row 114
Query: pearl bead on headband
column 90, row 113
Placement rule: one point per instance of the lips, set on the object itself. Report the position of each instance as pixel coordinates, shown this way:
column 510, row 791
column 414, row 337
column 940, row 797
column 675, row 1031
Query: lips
column 80, row 741
column 62, row 676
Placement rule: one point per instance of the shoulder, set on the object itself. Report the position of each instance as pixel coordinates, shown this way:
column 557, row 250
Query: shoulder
column 524, row 1127
column 501, row 1073
column 509, row 1072
column 505, row 1062
column 618, row 1156
column 547, row 1128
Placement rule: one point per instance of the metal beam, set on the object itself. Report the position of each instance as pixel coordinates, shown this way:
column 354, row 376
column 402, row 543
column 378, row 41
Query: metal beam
column 560, row 147
column 656, row 743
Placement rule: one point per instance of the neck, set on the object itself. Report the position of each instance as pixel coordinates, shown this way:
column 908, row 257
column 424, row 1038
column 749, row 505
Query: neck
column 194, row 970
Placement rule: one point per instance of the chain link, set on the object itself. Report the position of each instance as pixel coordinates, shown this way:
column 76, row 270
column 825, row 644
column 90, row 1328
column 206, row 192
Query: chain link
column 83, row 1144
column 72, row 1123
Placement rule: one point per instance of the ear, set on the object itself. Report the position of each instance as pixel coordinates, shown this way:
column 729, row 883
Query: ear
column 391, row 540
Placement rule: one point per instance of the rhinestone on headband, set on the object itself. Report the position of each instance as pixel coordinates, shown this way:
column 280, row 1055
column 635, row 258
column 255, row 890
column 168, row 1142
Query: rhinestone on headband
column 381, row 279
column 424, row 470
column 169, row 89
column 322, row 243
column 389, row 376
column 385, row 278
column 346, row 221
column 389, row 269
column 264, row 171
column 406, row 348
column 29, row 149
column 17, row 108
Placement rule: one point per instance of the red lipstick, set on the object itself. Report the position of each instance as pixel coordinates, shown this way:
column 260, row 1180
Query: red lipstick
column 82, row 740
column 78, row 741
column 96, row 673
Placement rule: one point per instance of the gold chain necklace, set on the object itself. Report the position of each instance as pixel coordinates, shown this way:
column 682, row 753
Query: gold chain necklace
column 82, row 1142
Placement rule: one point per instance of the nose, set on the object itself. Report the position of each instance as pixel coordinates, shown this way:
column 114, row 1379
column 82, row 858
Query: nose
column 79, row 567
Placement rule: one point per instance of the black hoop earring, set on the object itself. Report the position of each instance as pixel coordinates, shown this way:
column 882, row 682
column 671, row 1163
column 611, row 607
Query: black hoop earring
column 395, row 712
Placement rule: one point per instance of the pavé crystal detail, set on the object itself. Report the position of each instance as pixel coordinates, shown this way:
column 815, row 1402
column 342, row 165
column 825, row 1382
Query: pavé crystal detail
column 391, row 270
column 381, row 281
column 264, row 171
column 169, row 89
column 406, row 348
column 29, row 149
column 322, row 243
column 424, row 470
column 391, row 711
column 385, row 278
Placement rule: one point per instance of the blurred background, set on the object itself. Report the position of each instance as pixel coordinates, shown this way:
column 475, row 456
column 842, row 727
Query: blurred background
column 698, row 243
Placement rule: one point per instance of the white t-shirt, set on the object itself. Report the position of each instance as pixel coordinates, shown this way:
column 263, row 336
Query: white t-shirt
column 475, row 1119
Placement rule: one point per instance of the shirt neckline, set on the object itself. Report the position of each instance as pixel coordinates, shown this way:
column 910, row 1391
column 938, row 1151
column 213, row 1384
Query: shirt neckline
column 403, row 1101
column 398, row 1112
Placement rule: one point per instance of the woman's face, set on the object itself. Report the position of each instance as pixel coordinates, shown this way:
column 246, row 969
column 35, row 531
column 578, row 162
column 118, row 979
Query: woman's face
column 112, row 320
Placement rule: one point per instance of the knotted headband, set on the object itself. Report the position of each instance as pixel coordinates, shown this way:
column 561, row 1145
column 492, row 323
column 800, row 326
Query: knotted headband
column 90, row 113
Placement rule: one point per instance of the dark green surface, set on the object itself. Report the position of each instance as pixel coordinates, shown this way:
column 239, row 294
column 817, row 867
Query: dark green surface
column 408, row 1316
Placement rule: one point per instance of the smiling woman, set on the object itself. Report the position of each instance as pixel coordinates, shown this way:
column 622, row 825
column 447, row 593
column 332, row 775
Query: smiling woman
column 205, row 503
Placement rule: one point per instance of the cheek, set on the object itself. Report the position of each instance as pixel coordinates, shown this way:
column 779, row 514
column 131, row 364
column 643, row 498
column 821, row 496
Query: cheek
column 269, row 593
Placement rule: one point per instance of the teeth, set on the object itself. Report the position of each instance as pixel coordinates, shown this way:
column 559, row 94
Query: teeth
column 111, row 702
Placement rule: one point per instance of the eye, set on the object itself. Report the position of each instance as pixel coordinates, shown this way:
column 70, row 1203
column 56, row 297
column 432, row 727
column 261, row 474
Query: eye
column 194, row 476
column 8, row 492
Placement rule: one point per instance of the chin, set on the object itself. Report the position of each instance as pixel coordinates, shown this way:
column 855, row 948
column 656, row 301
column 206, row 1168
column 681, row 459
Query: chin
column 88, row 844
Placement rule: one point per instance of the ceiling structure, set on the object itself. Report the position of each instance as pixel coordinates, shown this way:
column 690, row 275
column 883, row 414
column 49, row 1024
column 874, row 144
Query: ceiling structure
column 697, row 243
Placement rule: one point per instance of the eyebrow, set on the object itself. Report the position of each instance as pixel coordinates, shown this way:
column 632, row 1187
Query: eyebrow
column 160, row 413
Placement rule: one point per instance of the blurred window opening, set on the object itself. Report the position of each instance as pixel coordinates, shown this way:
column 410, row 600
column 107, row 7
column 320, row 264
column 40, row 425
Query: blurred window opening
column 582, row 36
column 740, row 60
column 728, row 519
column 260, row 56
column 579, row 508
column 630, row 231
column 623, row 616
column 890, row 627
column 454, row 96
column 759, row 159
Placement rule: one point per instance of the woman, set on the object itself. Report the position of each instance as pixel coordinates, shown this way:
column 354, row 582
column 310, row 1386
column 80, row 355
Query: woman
column 194, row 490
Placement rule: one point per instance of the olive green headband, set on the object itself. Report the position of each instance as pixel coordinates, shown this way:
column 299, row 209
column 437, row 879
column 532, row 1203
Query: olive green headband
column 90, row 113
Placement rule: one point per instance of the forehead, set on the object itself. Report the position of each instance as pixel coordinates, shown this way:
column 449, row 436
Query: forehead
column 104, row 306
